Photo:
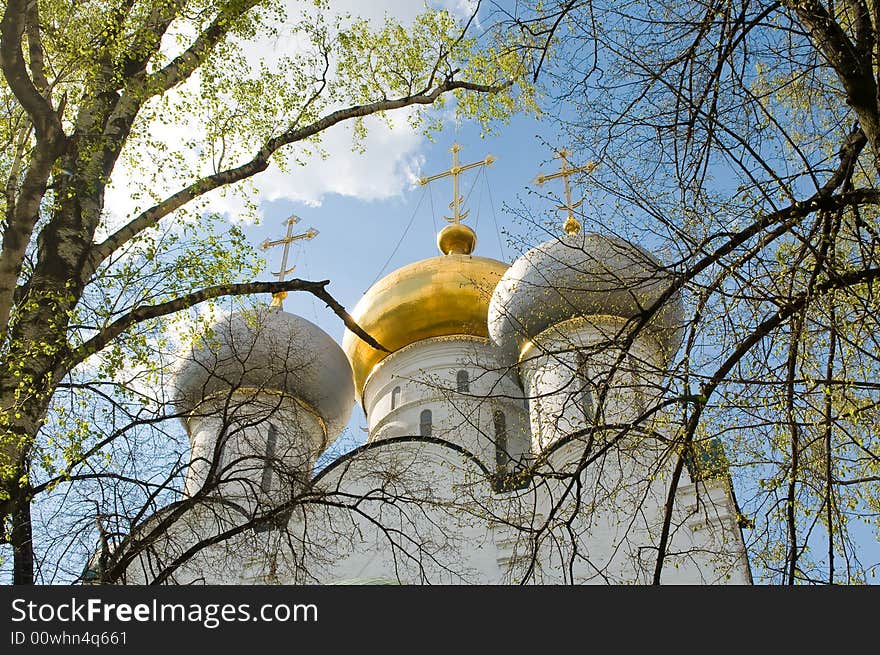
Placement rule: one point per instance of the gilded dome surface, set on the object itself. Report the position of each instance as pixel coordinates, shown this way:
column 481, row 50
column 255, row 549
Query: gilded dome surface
column 581, row 275
column 269, row 349
column 433, row 297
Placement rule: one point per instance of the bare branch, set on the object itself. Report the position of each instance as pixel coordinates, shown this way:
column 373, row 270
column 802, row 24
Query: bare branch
column 261, row 160
column 107, row 334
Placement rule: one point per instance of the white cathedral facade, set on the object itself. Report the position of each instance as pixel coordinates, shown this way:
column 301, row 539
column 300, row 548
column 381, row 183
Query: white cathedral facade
column 517, row 434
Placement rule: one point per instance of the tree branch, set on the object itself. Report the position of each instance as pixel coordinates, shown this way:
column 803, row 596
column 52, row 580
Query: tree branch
column 761, row 331
column 107, row 334
column 260, row 161
column 35, row 49
column 854, row 67
column 45, row 120
column 188, row 61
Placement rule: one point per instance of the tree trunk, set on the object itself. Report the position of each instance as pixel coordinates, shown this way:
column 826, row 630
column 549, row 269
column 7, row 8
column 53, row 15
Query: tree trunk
column 22, row 539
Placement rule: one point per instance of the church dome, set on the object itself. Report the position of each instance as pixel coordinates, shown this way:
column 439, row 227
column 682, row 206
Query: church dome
column 581, row 274
column 269, row 349
column 434, row 297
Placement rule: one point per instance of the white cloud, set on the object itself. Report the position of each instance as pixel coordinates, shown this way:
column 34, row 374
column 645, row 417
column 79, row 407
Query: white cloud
column 389, row 165
column 383, row 170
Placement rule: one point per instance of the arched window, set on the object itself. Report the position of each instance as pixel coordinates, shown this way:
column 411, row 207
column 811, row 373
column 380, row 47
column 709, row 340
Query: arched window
column 502, row 457
column 425, row 423
column 539, row 423
column 637, row 383
column 584, row 388
column 219, row 454
column 395, row 397
column 463, row 381
column 271, row 442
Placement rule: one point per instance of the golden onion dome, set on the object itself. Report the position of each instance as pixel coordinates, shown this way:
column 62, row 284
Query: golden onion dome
column 456, row 239
column 434, row 297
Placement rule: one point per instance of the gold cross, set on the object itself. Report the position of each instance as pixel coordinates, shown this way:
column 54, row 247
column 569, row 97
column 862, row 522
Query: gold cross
column 457, row 214
column 287, row 239
column 572, row 226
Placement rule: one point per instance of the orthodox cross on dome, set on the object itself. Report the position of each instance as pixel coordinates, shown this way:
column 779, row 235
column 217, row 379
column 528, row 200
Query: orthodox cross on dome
column 457, row 169
column 287, row 239
column 572, row 226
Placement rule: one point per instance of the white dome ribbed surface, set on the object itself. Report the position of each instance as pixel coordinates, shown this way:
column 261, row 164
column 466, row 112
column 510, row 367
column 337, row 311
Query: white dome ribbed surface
column 269, row 349
column 581, row 275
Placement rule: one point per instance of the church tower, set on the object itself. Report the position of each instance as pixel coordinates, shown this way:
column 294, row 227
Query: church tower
column 516, row 431
column 442, row 377
column 592, row 321
column 586, row 318
column 262, row 396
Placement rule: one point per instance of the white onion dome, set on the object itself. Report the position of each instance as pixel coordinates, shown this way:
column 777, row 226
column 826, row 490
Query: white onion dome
column 267, row 349
column 584, row 274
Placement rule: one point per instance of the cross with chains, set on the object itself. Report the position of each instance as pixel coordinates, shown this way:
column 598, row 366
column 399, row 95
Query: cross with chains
column 572, row 226
column 457, row 214
column 287, row 239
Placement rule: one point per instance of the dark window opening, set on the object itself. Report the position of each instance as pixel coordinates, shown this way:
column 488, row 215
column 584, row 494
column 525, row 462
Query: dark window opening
column 463, row 381
column 425, row 423
column 395, row 397
column 584, row 391
column 271, row 441
column 502, row 457
column 637, row 385
column 509, row 475
column 219, row 454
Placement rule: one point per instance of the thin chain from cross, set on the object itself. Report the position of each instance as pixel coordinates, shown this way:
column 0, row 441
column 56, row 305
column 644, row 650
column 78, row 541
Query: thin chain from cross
column 572, row 225
column 287, row 239
column 457, row 214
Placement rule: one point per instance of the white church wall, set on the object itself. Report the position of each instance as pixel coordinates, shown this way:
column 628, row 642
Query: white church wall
column 422, row 517
column 256, row 445
column 425, row 377
column 607, row 527
column 566, row 368
column 421, row 512
column 416, row 512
